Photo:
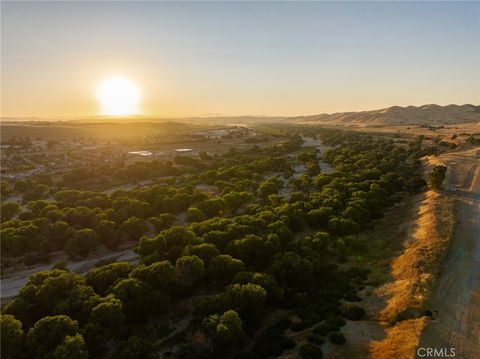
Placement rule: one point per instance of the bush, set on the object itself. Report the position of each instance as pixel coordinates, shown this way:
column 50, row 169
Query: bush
column 336, row 323
column 194, row 215
column 299, row 326
column 282, row 324
column 246, row 355
column 355, row 313
column 436, row 177
column 272, row 343
column 311, row 351
column 62, row 265
column 135, row 347
column 337, row 338
column 328, row 326
column 352, row 297
column 316, row 339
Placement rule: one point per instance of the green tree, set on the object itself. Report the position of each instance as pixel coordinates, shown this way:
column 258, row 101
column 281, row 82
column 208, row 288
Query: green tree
column 106, row 321
column 136, row 347
column 163, row 221
column 321, row 180
column 11, row 335
column 189, row 270
column 248, row 300
column 157, row 275
column 72, row 347
column 436, row 177
column 253, row 250
column 204, row 251
column 235, row 200
column 9, row 210
column 133, row 228
column 48, row 333
column 131, row 292
column 104, row 277
column 274, row 292
column 83, row 242
column 5, row 188
column 292, row 270
column 223, row 268
column 319, row 217
column 169, row 243
column 212, row 207
column 337, row 338
column 225, row 329
column 21, row 186
column 107, row 232
column 108, row 314
column 311, row 351
column 44, row 178
column 268, row 187
column 50, row 293
column 194, row 215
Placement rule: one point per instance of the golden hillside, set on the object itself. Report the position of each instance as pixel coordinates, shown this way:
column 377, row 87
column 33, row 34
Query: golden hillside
column 396, row 115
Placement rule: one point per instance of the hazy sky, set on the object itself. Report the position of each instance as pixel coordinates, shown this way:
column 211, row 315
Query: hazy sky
column 256, row 58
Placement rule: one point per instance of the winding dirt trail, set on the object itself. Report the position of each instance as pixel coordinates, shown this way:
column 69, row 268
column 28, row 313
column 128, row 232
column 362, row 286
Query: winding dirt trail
column 456, row 300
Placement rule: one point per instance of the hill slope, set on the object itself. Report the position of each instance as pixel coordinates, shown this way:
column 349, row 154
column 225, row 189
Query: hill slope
column 396, row 115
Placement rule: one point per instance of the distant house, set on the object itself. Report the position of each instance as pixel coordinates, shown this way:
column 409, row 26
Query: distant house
column 217, row 133
column 39, row 144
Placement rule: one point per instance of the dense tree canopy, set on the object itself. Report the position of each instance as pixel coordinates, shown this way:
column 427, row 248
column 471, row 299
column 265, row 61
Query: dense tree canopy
column 225, row 242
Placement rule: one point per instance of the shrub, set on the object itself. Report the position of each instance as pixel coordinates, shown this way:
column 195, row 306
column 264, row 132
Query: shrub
column 337, row 338
column 355, row 313
column 282, row 324
column 299, row 326
column 316, row 339
column 328, row 326
column 194, row 215
column 311, row 351
column 272, row 344
column 436, row 177
column 336, row 323
column 352, row 297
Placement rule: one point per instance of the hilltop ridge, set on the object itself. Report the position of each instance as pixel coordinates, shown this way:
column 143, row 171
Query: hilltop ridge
column 430, row 114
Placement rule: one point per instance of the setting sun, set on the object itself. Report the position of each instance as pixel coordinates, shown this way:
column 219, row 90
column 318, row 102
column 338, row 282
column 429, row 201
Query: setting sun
column 118, row 96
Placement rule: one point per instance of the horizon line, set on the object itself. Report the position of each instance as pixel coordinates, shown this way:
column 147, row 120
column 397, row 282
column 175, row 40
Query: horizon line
column 202, row 116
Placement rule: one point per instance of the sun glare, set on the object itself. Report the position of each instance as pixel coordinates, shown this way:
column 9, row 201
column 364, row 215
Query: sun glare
column 118, row 96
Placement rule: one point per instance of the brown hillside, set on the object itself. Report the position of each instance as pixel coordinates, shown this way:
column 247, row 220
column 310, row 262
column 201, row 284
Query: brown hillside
column 396, row 115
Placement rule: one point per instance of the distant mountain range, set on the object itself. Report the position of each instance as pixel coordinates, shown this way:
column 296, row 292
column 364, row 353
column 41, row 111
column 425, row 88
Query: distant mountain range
column 434, row 115
column 396, row 115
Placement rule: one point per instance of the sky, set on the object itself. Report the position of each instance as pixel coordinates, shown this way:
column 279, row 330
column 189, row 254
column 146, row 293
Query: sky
column 232, row 58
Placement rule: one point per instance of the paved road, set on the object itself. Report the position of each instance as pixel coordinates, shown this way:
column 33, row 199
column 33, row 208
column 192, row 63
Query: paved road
column 456, row 301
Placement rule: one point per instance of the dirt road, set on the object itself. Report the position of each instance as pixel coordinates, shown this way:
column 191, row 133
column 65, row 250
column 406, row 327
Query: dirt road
column 11, row 285
column 456, row 300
